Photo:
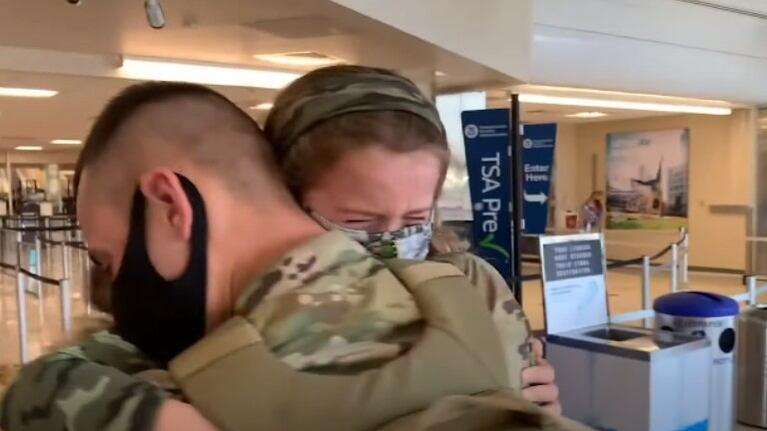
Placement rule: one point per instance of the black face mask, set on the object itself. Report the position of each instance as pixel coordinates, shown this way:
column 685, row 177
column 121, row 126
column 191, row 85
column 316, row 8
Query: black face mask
column 162, row 317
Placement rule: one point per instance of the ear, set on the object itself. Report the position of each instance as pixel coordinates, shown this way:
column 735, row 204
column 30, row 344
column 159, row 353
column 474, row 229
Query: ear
column 166, row 198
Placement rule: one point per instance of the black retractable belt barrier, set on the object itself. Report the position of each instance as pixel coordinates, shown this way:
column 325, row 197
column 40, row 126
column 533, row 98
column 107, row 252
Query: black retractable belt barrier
column 38, row 277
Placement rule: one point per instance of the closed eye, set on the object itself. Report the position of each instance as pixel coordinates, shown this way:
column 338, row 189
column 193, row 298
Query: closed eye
column 416, row 221
column 359, row 223
column 420, row 217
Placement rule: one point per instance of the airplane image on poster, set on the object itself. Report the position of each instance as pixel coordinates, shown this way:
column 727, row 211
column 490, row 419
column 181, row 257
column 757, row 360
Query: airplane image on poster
column 647, row 181
column 643, row 197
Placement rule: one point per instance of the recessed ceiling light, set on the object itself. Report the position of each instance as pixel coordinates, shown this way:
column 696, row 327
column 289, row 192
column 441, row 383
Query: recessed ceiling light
column 439, row 74
column 143, row 68
column 587, row 115
column 262, row 106
column 29, row 148
column 66, row 142
column 26, row 92
column 314, row 59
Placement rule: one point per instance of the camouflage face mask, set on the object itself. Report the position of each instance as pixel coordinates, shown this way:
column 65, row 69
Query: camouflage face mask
column 410, row 242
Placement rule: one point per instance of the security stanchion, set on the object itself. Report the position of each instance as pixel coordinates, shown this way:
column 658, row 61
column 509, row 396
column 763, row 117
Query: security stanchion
column 752, row 293
column 85, row 288
column 646, row 293
column 21, row 305
column 685, row 257
column 2, row 247
column 65, row 257
column 47, row 235
column 66, row 305
column 47, row 226
column 2, row 273
column 674, row 267
column 39, row 266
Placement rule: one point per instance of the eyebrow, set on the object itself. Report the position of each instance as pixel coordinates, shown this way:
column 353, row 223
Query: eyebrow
column 367, row 213
column 418, row 211
column 356, row 211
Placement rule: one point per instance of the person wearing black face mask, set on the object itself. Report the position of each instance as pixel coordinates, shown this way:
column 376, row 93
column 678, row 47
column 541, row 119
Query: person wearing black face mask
column 181, row 207
column 148, row 324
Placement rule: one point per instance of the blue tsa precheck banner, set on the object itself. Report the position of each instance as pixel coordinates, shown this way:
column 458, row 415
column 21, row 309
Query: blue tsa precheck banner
column 486, row 137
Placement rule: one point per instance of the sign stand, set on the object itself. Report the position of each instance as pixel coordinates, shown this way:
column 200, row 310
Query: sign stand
column 515, row 154
column 509, row 181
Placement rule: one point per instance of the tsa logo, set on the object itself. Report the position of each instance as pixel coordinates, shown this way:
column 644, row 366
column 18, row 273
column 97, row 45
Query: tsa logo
column 471, row 131
column 527, row 144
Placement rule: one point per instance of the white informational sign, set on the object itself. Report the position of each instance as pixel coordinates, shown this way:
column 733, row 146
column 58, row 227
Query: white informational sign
column 574, row 291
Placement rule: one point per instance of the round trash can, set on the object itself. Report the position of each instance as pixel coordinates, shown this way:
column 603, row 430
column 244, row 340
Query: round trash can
column 712, row 316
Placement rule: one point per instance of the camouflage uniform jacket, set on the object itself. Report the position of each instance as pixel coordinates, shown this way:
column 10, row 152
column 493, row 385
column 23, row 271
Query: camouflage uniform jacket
column 325, row 306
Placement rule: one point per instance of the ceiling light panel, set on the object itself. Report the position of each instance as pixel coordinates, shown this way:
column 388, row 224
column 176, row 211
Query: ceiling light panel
column 623, row 104
column 142, row 68
column 308, row 59
column 27, row 92
column 66, row 142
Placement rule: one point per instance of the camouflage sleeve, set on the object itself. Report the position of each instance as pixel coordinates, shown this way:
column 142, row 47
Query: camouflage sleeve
column 63, row 392
column 85, row 387
column 510, row 319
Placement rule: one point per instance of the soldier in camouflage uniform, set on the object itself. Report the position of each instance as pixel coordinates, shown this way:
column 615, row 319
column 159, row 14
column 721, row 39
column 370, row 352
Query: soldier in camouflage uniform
column 329, row 116
column 107, row 383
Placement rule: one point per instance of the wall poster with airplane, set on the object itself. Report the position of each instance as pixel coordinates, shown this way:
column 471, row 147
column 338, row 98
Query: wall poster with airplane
column 648, row 179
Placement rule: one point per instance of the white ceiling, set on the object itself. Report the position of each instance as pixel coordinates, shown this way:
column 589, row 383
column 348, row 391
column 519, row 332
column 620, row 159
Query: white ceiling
column 224, row 31
column 229, row 31
column 221, row 31
column 548, row 113
column 689, row 48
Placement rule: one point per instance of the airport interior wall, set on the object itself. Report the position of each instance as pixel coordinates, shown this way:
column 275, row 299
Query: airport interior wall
column 721, row 180
column 721, row 183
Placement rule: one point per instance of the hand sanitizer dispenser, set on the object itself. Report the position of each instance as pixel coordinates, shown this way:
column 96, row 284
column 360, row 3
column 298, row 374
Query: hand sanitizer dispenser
column 615, row 377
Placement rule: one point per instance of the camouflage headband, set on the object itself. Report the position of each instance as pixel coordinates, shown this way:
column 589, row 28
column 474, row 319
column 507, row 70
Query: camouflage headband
column 338, row 90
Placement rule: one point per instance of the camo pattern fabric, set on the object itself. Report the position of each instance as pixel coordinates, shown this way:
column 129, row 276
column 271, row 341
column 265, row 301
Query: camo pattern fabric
column 85, row 387
column 410, row 242
column 327, row 306
column 509, row 318
column 338, row 310
column 338, row 90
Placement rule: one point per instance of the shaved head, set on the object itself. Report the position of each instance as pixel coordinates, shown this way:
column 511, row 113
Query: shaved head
column 149, row 138
column 178, row 125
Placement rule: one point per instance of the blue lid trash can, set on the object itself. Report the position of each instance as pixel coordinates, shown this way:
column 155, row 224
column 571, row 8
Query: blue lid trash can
column 712, row 316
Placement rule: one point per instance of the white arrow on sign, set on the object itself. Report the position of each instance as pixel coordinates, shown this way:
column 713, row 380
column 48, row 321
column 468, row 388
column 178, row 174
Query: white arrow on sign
column 540, row 198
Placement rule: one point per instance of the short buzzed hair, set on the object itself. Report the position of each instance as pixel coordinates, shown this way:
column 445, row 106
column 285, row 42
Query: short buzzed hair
column 238, row 148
